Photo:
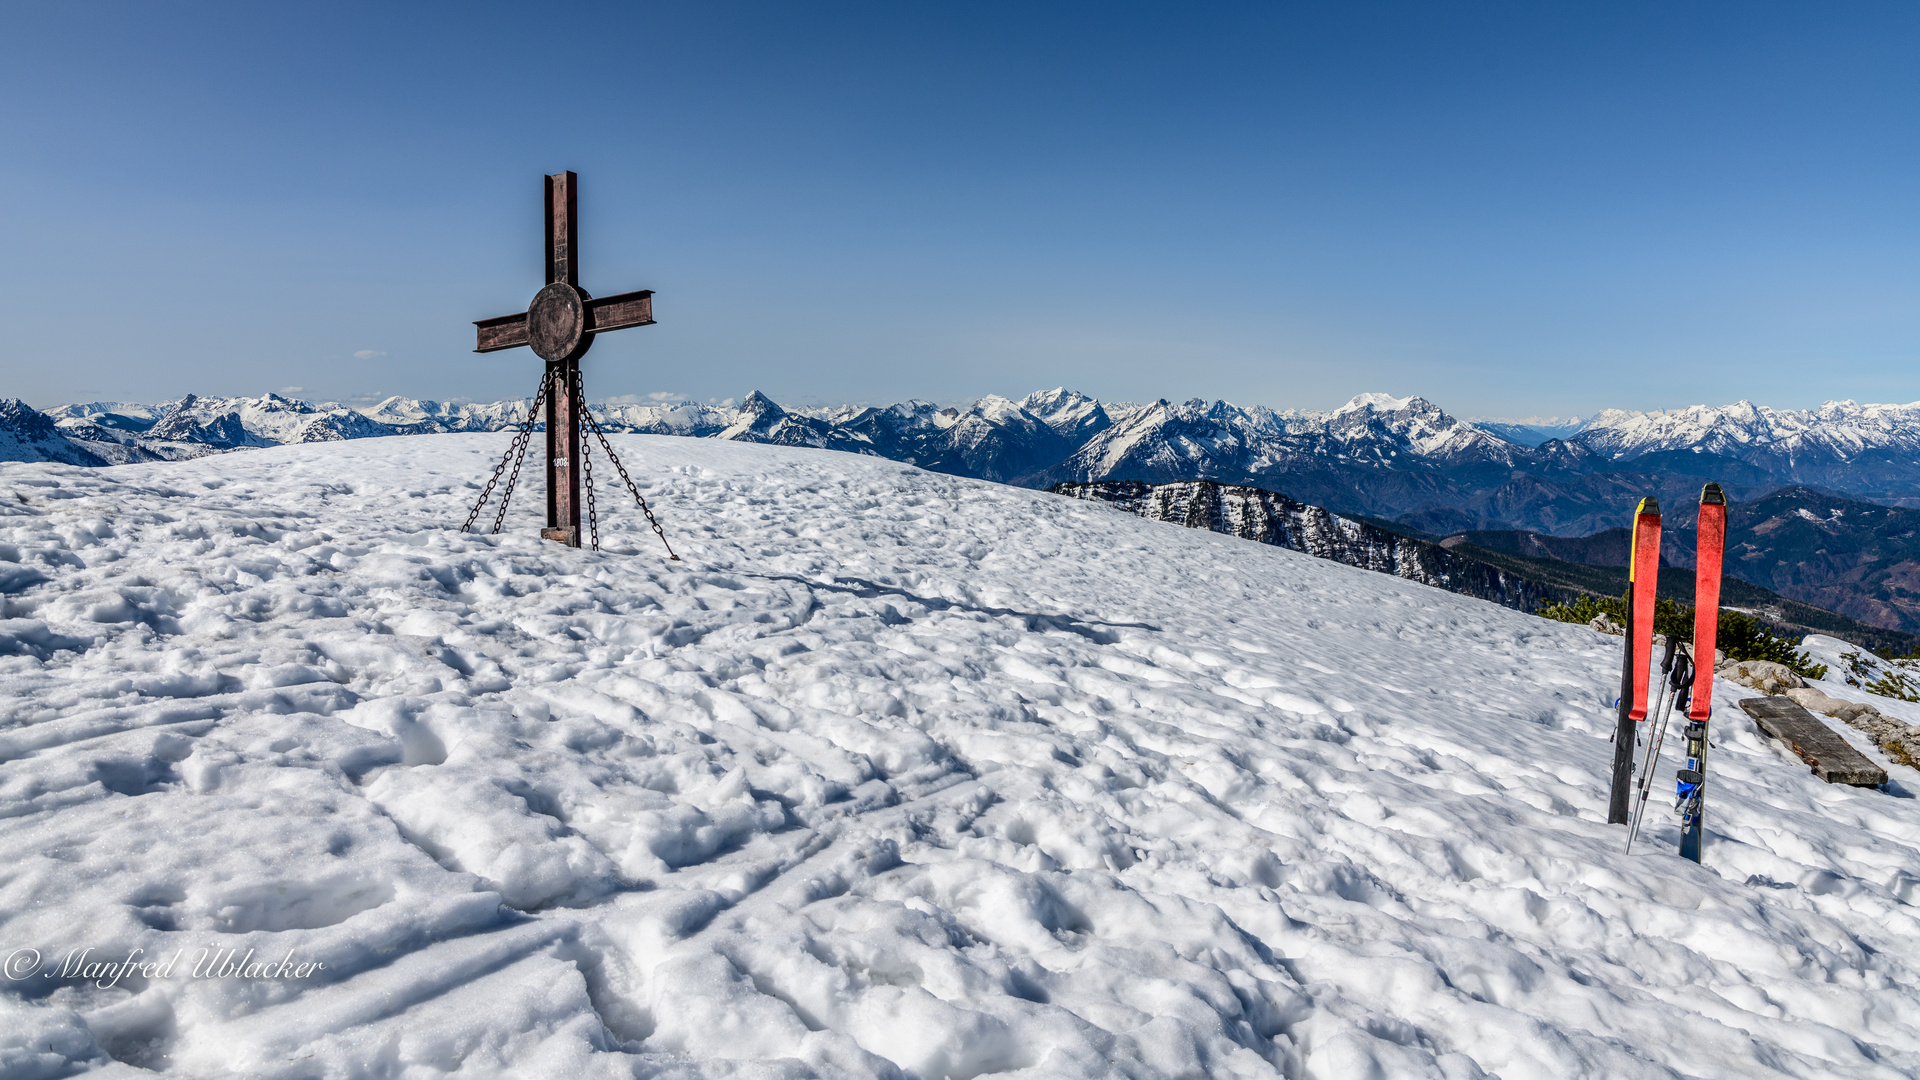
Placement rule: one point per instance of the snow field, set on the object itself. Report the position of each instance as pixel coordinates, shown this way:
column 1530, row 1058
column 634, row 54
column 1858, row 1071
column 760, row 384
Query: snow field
column 896, row 775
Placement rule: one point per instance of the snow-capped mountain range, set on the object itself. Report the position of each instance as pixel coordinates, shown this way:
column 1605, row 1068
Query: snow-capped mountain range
column 1402, row 458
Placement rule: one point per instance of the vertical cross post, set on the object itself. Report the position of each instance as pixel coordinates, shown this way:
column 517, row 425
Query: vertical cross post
column 563, row 379
column 563, row 228
column 563, row 453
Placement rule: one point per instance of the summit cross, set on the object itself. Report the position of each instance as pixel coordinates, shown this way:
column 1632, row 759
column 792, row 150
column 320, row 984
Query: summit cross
column 559, row 325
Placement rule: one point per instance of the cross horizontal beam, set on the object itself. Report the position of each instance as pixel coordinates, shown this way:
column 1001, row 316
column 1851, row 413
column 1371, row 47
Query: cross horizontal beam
column 607, row 313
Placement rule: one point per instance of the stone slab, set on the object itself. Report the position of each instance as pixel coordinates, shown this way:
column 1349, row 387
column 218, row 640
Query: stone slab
column 1817, row 744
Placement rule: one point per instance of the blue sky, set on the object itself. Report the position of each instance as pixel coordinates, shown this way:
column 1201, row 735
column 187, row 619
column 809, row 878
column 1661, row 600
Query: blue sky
column 1511, row 209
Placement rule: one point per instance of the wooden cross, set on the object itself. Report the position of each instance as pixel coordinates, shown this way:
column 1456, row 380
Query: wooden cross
column 560, row 324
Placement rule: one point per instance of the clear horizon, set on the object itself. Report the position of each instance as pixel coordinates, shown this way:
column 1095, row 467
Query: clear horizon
column 1509, row 210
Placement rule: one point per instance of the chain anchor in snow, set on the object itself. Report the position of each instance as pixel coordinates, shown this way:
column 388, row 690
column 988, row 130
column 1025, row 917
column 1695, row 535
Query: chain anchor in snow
column 632, row 488
column 569, row 388
column 516, row 453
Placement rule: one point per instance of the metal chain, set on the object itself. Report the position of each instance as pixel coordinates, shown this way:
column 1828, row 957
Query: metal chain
column 631, row 487
column 586, row 465
column 522, row 440
column 515, row 451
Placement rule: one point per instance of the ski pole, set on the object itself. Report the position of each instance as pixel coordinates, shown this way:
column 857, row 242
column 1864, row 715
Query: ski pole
column 1640, row 804
column 1659, row 699
column 1681, row 677
column 1639, row 795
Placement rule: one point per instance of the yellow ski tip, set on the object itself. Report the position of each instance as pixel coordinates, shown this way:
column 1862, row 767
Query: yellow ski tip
column 1649, row 507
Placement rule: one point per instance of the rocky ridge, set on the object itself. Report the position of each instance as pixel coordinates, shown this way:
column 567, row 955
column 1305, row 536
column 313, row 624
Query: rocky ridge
column 29, row 435
column 1869, row 450
column 1268, row 517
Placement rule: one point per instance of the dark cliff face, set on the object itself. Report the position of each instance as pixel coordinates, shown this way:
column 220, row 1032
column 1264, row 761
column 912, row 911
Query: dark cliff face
column 27, row 434
column 1271, row 518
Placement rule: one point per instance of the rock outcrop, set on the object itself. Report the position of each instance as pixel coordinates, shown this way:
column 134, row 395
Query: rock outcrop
column 1899, row 740
column 1272, row 518
column 1762, row 675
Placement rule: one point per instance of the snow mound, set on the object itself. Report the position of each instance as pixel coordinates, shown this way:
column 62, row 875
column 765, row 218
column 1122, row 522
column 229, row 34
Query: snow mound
column 896, row 775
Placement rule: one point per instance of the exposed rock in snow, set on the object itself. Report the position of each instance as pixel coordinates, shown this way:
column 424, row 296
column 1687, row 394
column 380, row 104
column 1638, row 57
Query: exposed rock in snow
column 999, row 440
column 195, row 425
column 1271, row 518
column 1215, row 440
column 1762, row 675
column 1840, row 694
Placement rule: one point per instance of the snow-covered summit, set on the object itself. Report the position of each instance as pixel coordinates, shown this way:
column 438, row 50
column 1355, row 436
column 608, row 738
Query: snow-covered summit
column 1200, row 439
column 896, row 775
column 1757, row 433
column 1413, row 425
column 1072, row 414
column 760, row 420
column 418, row 415
column 126, row 415
column 1375, row 402
column 268, row 420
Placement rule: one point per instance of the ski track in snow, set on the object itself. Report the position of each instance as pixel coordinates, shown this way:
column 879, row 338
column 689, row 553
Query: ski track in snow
column 897, row 775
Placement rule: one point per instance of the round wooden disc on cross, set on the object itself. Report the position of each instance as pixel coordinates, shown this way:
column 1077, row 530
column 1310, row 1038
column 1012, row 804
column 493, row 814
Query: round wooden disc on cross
column 557, row 323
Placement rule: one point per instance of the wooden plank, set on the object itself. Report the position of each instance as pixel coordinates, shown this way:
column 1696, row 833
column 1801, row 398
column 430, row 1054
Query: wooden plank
column 1832, row 759
column 563, row 228
column 620, row 312
column 505, row 332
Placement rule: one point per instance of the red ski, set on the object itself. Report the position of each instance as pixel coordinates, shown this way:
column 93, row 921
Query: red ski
column 1643, row 575
column 1692, row 782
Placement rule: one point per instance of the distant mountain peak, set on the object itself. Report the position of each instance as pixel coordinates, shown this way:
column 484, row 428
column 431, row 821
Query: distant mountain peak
column 1380, row 403
column 27, row 434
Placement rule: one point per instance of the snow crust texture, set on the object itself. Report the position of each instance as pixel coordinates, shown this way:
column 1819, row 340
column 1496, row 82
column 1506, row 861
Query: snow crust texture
column 896, row 775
